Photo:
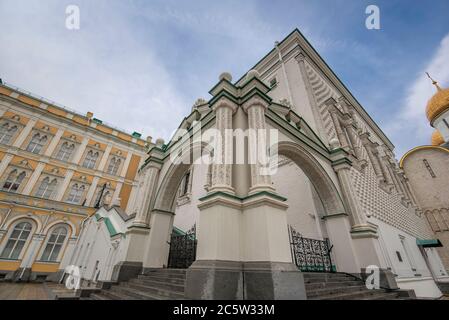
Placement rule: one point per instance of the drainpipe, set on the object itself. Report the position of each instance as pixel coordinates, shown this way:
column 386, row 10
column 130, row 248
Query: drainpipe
column 284, row 72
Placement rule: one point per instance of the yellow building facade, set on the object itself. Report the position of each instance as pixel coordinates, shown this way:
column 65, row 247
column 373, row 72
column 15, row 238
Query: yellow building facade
column 56, row 168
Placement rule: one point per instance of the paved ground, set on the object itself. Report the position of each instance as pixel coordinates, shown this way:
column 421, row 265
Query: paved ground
column 23, row 291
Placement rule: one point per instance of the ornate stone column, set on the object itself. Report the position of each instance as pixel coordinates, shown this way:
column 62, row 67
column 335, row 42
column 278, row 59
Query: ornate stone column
column 138, row 233
column 223, row 151
column 340, row 134
column 373, row 159
column 258, row 147
column 363, row 233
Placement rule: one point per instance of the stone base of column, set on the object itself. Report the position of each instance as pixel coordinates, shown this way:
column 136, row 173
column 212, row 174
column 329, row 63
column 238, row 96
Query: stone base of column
column 231, row 280
column 137, row 237
column 126, row 270
column 21, row 275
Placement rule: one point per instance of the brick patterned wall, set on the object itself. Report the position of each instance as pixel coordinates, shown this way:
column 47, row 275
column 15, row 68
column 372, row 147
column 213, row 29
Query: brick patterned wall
column 387, row 207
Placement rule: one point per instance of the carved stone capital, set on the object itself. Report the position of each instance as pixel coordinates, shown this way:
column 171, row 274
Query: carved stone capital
column 224, row 103
column 255, row 102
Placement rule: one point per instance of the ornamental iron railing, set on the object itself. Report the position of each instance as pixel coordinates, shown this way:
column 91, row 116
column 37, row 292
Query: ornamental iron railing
column 182, row 249
column 311, row 255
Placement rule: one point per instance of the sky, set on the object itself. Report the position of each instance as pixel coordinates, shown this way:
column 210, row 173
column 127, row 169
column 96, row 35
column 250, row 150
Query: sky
column 140, row 65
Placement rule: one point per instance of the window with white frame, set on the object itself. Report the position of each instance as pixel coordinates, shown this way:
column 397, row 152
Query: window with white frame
column 13, row 181
column 75, row 194
column 37, row 143
column 7, row 132
column 114, row 165
column 17, row 240
column 46, row 188
column 65, row 152
column 91, row 159
column 54, row 244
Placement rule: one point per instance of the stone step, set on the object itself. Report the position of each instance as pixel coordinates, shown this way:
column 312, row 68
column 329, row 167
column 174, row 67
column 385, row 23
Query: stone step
column 135, row 294
column 169, row 294
column 166, row 271
column 159, row 284
column 326, row 275
column 331, row 284
column 360, row 295
column 179, row 281
column 163, row 275
column 333, row 279
column 387, row 296
column 336, row 290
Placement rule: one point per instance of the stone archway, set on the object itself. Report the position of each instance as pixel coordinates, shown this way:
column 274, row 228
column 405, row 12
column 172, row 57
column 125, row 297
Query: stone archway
column 323, row 184
column 163, row 210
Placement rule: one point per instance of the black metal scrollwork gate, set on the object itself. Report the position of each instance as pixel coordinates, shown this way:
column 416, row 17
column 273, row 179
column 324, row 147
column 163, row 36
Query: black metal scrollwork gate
column 182, row 249
column 311, row 255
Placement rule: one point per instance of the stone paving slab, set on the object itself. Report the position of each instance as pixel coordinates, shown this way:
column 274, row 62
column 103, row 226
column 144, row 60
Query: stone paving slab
column 23, row 291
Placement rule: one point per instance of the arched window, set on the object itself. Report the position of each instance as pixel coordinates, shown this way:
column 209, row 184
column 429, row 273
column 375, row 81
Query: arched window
column 65, row 151
column 46, row 188
column 90, row 160
column 54, row 244
column 37, row 143
column 114, row 164
column 13, row 181
column 185, row 184
column 75, row 194
column 6, row 133
column 17, row 240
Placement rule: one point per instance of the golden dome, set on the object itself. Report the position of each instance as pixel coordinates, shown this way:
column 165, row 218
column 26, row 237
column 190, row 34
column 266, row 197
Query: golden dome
column 437, row 138
column 438, row 103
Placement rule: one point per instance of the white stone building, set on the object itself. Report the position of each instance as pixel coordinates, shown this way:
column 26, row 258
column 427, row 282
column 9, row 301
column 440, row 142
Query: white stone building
column 337, row 179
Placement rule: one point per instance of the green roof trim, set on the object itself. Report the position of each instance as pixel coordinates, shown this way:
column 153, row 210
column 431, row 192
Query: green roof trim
column 429, row 243
column 97, row 121
column 136, row 134
column 111, row 229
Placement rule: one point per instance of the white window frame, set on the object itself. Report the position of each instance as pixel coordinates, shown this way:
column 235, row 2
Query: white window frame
column 8, row 238
column 54, row 243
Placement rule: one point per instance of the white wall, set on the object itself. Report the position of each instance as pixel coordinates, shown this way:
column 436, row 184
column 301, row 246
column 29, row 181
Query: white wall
column 95, row 244
column 186, row 215
column 291, row 182
column 412, row 272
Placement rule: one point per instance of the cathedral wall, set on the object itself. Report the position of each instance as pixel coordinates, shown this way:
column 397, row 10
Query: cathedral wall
column 427, row 170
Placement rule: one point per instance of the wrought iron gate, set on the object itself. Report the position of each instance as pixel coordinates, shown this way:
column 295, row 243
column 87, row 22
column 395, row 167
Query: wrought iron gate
column 182, row 249
column 311, row 255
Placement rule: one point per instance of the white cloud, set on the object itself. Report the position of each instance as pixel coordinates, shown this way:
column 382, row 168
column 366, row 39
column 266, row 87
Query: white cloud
column 410, row 126
column 100, row 68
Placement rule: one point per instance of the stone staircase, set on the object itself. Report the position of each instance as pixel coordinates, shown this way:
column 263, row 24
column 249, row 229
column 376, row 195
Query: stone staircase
column 158, row 284
column 169, row 284
column 342, row 286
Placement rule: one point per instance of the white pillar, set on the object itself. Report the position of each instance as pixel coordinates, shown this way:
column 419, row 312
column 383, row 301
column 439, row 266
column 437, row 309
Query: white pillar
column 33, row 179
column 104, row 159
column 65, row 184
column 54, row 142
column 126, row 164
column 258, row 147
column 24, row 133
column 91, row 191
column 147, row 185
column 223, row 153
column 5, row 162
column 31, row 254
column 79, row 152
